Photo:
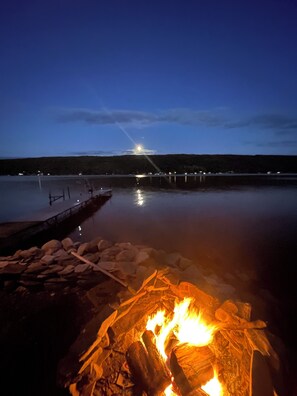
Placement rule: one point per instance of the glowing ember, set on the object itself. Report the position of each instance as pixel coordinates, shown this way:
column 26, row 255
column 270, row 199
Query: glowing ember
column 187, row 325
column 213, row 387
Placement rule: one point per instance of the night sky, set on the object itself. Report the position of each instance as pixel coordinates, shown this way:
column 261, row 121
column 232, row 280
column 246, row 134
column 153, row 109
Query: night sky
column 97, row 77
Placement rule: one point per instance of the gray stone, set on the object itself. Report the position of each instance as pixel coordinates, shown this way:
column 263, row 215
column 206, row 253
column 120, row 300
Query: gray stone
column 110, row 253
column 61, row 254
column 141, row 257
column 35, row 267
column 103, row 244
column 81, row 268
column 67, row 243
column 32, row 252
column 67, row 270
column 47, row 259
column 17, row 254
column 93, row 245
column 127, row 255
column 56, row 280
column 109, row 266
column 172, row 259
column 93, row 257
column 53, row 269
column 25, row 254
column 191, row 274
column 184, row 263
column 13, row 269
column 126, row 268
column 53, row 244
column 82, row 249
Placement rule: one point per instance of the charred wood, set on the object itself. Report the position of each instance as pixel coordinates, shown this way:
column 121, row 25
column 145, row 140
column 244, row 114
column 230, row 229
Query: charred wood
column 191, row 367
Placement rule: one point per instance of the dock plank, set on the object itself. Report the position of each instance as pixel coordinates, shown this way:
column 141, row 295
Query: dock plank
column 15, row 233
column 60, row 206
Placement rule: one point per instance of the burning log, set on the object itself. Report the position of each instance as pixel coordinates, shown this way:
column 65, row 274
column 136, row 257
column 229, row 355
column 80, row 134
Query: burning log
column 147, row 366
column 191, row 367
column 158, row 368
column 137, row 360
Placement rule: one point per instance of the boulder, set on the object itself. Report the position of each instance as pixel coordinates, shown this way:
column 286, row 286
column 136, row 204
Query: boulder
column 13, row 269
column 67, row 243
column 35, row 267
column 67, row 270
column 82, row 248
column 141, row 257
column 54, row 245
column 93, row 257
column 53, row 270
column 127, row 255
column 103, row 244
column 47, row 259
column 81, row 268
column 62, row 255
column 184, row 263
column 110, row 253
column 172, row 259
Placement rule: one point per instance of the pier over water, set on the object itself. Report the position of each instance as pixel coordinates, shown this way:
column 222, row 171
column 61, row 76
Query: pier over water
column 54, row 221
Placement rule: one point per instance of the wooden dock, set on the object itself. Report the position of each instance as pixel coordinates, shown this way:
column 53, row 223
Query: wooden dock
column 49, row 222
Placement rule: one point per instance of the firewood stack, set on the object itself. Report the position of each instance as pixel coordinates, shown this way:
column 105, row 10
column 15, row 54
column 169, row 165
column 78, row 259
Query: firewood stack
column 190, row 367
column 147, row 366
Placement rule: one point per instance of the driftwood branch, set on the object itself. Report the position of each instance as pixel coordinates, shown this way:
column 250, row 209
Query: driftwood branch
column 98, row 268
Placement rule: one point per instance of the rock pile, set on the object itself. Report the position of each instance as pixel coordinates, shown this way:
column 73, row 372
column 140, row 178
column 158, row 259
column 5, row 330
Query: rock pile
column 53, row 266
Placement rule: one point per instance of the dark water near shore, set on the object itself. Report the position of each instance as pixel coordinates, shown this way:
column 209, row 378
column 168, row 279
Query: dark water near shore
column 244, row 228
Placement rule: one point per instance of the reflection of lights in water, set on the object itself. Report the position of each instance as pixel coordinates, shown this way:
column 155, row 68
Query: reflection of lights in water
column 139, row 197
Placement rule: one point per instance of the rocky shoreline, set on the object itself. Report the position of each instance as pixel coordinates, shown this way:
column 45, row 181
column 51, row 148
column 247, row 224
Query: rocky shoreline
column 48, row 296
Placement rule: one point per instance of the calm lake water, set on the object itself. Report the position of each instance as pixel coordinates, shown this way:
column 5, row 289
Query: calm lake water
column 233, row 224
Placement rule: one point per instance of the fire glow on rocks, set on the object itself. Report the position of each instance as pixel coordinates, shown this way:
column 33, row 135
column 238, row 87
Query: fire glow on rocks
column 117, row 354
column 187, row 326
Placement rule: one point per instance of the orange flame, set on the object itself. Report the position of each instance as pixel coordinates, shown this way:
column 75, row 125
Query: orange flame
column 187, row 325
column 213, row 387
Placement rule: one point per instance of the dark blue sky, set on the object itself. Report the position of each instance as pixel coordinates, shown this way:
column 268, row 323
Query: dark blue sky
column 97, row 76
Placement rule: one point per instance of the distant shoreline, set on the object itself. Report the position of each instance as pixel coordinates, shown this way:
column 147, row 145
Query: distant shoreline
column 154, row 164
column 143, row 175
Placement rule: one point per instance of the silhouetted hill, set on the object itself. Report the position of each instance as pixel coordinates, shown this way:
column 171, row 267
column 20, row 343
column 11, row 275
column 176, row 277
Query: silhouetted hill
column 134, row 164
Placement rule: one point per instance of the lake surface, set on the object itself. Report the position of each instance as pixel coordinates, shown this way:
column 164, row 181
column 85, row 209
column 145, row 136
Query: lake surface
column 236, row 225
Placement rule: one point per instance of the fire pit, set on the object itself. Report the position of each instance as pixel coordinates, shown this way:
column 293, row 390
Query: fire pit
column 170, row 339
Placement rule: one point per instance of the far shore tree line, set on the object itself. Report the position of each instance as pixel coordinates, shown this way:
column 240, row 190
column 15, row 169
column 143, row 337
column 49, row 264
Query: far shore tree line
column 135, row 164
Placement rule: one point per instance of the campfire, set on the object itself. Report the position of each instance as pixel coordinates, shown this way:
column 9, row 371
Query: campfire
column 166, row 339
column 157, row 363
